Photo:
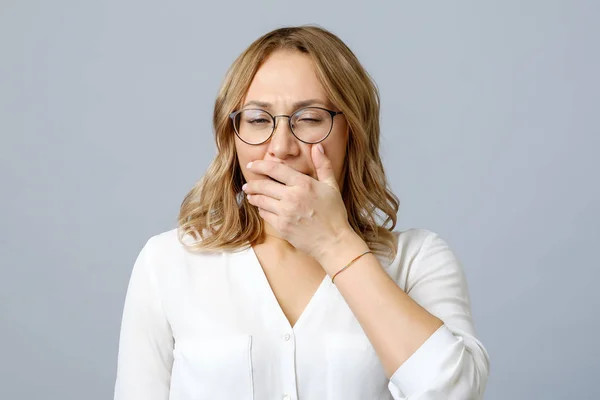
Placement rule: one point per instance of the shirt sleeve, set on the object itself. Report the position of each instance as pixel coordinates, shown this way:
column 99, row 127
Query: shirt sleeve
column 145, row 356
column 452, row 364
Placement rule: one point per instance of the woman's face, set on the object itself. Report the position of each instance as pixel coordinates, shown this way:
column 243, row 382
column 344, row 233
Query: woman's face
column 285, row 79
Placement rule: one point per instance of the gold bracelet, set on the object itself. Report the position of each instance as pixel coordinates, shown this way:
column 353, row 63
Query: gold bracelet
column 351, row 262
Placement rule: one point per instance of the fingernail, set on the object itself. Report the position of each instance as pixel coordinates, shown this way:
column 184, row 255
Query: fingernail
column 321, row 149
column 245, row 186
column 249, row 164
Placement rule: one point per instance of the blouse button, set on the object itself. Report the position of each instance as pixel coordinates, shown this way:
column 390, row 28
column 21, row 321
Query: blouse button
column 286, row 397
column 286, row 337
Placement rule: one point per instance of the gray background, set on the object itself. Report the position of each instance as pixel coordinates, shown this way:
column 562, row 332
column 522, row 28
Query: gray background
column 490, row 137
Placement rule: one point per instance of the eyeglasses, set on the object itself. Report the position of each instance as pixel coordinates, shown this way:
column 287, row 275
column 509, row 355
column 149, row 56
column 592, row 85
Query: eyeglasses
column 309, row 125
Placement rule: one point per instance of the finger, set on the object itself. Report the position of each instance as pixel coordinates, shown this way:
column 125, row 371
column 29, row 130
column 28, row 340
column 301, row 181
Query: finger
column 265, row 186
column 265, row 202
column 268, row 216
column 278, row 171
column 323, row 166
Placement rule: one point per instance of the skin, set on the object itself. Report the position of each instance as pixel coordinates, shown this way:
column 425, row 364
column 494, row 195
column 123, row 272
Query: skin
column 286, row 78
column 306, row 224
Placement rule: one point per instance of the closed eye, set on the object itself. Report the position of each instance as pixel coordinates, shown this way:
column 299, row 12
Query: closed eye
column 258, row 121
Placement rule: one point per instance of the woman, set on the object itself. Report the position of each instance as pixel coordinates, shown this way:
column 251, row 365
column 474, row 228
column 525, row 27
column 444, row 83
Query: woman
column 279, row 282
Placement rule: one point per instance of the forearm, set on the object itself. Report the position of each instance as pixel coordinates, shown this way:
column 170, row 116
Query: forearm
column 394, row 323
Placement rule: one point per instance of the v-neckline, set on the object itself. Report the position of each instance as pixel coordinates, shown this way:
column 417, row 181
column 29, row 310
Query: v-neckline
column 312, row 303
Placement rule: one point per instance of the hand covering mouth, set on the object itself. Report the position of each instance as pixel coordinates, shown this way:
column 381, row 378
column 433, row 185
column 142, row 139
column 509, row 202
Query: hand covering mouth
column 275, row 180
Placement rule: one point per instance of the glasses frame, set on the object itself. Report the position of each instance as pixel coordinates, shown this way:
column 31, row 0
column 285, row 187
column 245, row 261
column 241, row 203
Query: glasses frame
column 234, row 115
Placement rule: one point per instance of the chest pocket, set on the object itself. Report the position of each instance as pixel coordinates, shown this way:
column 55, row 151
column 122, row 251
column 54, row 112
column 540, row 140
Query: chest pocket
column 354, row 371
column 212, row 369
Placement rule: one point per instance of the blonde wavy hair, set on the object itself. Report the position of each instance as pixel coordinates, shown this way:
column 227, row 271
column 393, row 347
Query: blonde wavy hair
column 217, row 215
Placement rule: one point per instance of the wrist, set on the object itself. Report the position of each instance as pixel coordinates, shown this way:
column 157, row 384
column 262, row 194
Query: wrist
column 340, row 251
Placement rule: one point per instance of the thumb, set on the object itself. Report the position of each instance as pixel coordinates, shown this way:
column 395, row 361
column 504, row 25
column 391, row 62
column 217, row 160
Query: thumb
column 323, row 166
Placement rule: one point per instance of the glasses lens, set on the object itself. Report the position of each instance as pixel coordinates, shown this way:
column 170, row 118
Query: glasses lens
column 253, row 126
column 311, row 124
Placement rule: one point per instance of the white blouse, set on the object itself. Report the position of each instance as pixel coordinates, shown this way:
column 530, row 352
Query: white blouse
column 208, row 326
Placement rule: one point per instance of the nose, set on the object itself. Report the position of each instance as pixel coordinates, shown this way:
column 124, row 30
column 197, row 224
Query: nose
column 283, row 143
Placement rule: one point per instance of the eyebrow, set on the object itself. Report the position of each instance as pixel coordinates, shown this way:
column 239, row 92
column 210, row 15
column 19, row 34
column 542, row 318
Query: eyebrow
column 296, row 105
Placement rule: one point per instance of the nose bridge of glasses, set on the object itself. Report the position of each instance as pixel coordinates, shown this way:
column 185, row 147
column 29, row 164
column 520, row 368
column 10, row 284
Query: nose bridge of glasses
column 289, row 121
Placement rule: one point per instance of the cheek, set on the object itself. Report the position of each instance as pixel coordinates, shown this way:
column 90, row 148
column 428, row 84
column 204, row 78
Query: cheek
column 338, row 167
column 245, row 154
column 336, row 151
